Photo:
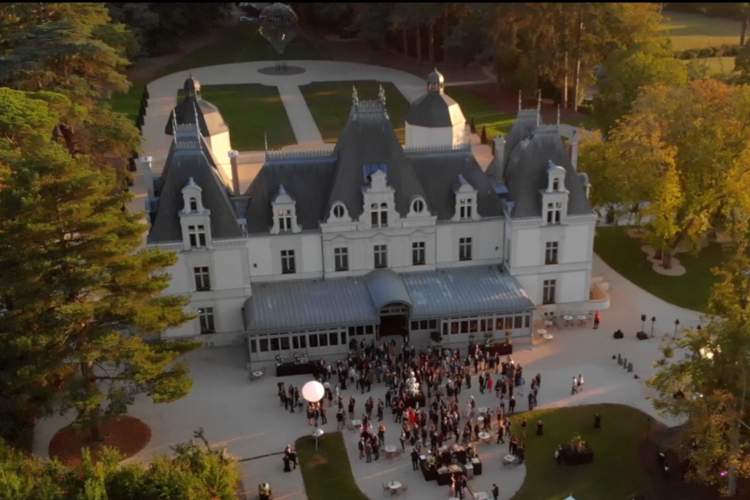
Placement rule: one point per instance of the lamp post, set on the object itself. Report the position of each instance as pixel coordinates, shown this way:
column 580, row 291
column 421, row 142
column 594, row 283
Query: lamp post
column 676, row 326
column 653, row 320
column 643, row 322
column 313, row 392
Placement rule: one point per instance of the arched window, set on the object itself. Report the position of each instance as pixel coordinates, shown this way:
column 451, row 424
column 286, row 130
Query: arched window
column 556, row 185
column 379, row 215
column 193, row 205
column 338, row 211
column 417, row 206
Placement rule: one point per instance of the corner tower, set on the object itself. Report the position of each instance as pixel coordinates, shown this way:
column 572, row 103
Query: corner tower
column 435, row 119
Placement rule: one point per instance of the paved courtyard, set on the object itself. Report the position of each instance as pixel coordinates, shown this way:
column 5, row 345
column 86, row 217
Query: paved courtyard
column 248, row 420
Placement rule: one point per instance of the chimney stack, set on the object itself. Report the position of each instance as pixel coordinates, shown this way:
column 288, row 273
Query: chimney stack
column 235, row 174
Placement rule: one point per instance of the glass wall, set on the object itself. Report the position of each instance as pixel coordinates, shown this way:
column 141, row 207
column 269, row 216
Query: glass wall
column 316, row 343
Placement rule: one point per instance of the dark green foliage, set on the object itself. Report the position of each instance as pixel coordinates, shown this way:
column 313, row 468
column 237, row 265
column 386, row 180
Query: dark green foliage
column 195, row 471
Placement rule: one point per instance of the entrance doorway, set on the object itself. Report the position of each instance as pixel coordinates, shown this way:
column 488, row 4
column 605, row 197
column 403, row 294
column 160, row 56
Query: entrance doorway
column 394, row 320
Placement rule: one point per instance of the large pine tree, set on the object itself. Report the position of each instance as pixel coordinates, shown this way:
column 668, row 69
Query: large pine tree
column 82, row 303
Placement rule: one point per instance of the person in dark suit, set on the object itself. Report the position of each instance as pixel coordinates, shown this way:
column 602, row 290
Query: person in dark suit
column 414, row 459
column 495, row 491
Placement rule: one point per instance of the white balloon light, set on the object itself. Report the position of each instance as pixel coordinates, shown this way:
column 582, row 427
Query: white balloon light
column 313, row 391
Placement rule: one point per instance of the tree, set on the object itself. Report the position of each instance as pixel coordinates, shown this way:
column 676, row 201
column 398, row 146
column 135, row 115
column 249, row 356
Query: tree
column 74, row 50
column 82, row 303
column 714, row 380
column 742, row 65
column 628, row 70
column 685, row 150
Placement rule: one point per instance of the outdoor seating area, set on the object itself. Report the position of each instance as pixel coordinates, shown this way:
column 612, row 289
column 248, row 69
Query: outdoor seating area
column 567, row 320
column 395, row 488
column 450, row 460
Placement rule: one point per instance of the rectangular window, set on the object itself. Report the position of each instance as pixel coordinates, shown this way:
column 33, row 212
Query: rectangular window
column 202, row 279
column 381, row 256
column 464, row 326
column 313, row 340
column 360, row 330
column 379, row 215
column 445, row 328
column 433, row 324
column 465, row 207
column 549, row 291
column 518, row 322
column 418, row 253
column 454, row 327
column 341, row 259
column 333, row 338
column 263, row 345
column 287, row 262
column 482, row 325
column 197, row 235
column 352, row 331
column 368, row 330
column 284, row 342
column 508, row 323
column 415, row 325
column 550, row 252
column 274, row 343
column 343, row 338
column 295, row 342
column 253, row 346
column 303, row 341
column 554, row 213
column 473, row 326
column 206, row 319
column 285, row 220
column 526, row 320
column 464, row 249
column 423, row 325
column 499, row 324
column 323, row 339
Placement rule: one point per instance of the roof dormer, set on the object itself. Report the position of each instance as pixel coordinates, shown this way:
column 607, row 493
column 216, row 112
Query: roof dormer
column 555, row 196
column 195, row 219
column 466, row 201
column 284, row 213
column 193, row 199
column 555, row 178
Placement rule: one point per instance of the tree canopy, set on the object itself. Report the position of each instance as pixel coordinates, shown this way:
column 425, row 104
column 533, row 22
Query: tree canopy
column 684, row 151
column 82, row 303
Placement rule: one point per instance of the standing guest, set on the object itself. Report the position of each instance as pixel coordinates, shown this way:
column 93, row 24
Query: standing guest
column 495, row 491
column 339, row 420
column 381, row 433
column 579, row 386
column 523, row 427
column 513, row 445
column 531, row 401
column 597, row 320
column 402, row 438
column 512, row 405
column 481, row 383
column 538, row 380
column 559, row 455
column 293, row 457
column 323, row 414
column 540, row 428
column 361, row 447
column 502, row 402
column 414, row 459
column 521, row 452
column 380, row 410
column 489, row 383
column 500, row 432
column 574, row 389
column 368, row 451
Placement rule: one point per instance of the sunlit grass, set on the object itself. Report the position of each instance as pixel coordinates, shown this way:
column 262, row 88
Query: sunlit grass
column 693, row 31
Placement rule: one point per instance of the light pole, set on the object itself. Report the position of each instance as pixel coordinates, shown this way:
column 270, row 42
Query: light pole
column 653, row 320
column 676, row 326
column 313, row 392
column 643, row 322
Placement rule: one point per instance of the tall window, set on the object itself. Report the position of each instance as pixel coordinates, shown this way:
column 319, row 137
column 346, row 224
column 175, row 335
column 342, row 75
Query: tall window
column 555, row 184
column 285, row 220
column 193, row 205
column 465, row 207
column 554, row 213
column 287, row 262
column 381, row 256
column 197, row 235
column 550, row 252
column 379, row 215
column 464, row 249
column 206, row 318
column 549, row 291
column 341, row 258
column 418, row 253
column 202, row 279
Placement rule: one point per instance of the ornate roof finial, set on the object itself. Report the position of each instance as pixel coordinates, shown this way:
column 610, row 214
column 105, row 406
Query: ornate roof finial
column 265, row 139
column 519, row 100
column 558, row 115
column 381, row 95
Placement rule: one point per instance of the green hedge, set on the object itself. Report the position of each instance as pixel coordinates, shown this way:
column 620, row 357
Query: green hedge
column 722, row 50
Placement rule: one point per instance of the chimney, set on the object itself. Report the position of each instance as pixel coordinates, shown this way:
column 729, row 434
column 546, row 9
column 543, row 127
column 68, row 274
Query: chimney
column 235, row 174
column 574, row 149
column 148, row 176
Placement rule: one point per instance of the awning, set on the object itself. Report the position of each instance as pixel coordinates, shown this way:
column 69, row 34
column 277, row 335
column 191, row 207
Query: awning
column 386, row 287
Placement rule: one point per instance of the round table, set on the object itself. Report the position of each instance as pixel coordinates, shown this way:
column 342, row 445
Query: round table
column 480, row 418
column 482, row 410
column 582, row 318
column 390, row 448
column 548, row 336
column 356, row 423
column 542, row 331
column 394, row 485
column 484, row 435
column 568, row 319
column 548, row 323
column 257, row 374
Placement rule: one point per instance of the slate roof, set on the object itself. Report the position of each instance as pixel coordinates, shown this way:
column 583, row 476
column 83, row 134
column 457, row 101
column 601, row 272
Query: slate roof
column 209, row 117
column 368, row 139
column 306, row 181
column 526, row 174
column 523, row 128
column 183, row 164
column 431, row 110
column 439, row 172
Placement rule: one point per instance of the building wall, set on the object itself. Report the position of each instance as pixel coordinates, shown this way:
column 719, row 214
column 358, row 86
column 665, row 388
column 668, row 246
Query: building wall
column 486, row 236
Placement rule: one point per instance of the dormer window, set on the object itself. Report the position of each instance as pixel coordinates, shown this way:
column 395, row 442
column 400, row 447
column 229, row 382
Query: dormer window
column 466, row 208
column 284, row 213
column 554, row 213
column 338, row 211
column 418, row 206
column 193, row 205
column 379, row 215
column 555, row 184
column 197, row 236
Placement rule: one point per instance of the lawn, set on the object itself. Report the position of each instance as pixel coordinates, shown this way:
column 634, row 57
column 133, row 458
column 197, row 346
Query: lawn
column 327, row 473
column 251, row 111
column 715, row 64
column 615, row 473
column 691, row 290
column 484, row 115
column 240, row 43
column 330, row 103
column 692, row 31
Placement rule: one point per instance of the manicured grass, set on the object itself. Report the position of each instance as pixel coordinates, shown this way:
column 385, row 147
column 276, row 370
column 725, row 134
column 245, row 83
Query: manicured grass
column 130, row 102
column 484, row 115
column 330, row 103
column 615, row 473
column 716, row 64
column 251, row 111
column 691, row 290
column 327, row 473
column 692, row 31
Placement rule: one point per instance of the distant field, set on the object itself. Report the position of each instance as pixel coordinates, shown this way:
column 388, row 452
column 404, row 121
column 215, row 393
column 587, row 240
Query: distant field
column 716, row 64
column 691, row 31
